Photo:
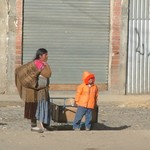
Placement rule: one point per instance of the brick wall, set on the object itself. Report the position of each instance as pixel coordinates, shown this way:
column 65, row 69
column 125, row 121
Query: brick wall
column 115, row 41
column 19, row 6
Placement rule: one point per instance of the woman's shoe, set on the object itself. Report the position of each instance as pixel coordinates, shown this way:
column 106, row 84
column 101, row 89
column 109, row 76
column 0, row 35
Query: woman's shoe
column 36, row 129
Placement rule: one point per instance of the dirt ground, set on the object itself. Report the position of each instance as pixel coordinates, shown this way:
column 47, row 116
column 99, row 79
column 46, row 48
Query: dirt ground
column 122, row 125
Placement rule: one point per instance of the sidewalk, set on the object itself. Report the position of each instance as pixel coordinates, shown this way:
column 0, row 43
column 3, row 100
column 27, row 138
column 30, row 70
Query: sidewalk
column 15, row 99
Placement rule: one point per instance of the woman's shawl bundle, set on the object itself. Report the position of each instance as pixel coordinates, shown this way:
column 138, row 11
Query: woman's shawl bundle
column 27, row 75
column 26, row 81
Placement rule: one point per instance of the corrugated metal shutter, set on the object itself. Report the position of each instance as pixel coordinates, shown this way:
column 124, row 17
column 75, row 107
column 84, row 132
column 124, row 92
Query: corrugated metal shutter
column 76, row 34
column 138, row 77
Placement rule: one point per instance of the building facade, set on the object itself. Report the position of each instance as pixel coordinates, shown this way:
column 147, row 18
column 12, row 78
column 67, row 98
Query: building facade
column 79, row 35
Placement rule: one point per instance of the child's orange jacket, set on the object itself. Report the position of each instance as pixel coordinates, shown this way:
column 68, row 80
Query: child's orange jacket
column 86, row 96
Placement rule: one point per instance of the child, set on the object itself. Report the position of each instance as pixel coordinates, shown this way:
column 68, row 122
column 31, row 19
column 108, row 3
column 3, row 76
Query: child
column 86, row 100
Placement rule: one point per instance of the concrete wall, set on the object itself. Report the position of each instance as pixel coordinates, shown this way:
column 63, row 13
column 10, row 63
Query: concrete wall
column 7, row 45
column 3, row 45
column 123, row 47
column 12, row 24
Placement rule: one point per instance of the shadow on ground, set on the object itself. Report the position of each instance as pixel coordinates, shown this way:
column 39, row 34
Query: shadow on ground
column 96, row 126
column 100, row 126
column 2, row 124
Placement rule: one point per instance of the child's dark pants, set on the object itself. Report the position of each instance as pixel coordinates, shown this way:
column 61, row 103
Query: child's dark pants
column 81, row 111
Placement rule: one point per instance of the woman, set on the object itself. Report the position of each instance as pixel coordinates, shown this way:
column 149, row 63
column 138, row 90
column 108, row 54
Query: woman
column 42, row 111
column 37, row 99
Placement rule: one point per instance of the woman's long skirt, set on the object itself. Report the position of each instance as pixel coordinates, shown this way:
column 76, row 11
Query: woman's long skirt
column 43, row 111
column 30, row 110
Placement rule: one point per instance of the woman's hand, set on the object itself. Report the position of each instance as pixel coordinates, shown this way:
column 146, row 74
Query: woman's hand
column 45, row 63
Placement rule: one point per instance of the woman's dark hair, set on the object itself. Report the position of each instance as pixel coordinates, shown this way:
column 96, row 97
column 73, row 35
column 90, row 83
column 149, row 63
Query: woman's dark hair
column 40, row 52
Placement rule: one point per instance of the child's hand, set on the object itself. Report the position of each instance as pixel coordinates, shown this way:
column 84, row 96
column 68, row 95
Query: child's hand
column 75, row 104
column 96, row 105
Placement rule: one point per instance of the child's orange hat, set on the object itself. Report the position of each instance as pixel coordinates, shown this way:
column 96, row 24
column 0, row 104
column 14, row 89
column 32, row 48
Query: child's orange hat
column 87, row 76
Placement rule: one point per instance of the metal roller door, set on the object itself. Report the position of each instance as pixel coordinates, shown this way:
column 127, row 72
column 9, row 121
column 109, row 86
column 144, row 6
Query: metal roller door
column 75, row 33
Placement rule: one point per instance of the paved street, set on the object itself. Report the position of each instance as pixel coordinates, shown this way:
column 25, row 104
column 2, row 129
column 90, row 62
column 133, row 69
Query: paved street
column 123, row 124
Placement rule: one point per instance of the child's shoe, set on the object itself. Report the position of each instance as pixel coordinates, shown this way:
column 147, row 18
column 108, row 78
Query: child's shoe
column 76, row 129
column 87, row 129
